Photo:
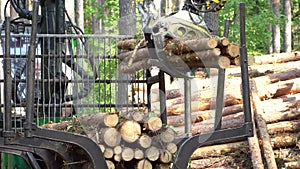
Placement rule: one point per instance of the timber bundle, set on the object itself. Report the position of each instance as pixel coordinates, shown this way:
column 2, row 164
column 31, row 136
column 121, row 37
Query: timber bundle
column 214, row 52
column 129, row 139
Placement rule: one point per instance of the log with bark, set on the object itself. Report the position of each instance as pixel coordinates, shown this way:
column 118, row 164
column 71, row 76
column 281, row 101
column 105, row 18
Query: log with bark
column 130, row 44
column 277, row 58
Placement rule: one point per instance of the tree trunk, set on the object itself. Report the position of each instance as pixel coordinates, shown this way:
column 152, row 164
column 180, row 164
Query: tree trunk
column 127, row 21
column 276, row 27
column 287, row 36
column 79, row 16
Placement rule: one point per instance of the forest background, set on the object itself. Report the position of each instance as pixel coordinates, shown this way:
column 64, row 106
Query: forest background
column 271, row 26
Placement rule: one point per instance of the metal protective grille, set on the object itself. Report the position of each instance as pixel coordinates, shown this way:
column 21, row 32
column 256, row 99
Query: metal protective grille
column 74, row 74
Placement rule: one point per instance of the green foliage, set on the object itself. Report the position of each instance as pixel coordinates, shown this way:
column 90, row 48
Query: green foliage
column 259, row 16
column 108, row 12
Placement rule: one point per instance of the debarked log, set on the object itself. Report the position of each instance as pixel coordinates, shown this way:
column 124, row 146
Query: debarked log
column 178, row 120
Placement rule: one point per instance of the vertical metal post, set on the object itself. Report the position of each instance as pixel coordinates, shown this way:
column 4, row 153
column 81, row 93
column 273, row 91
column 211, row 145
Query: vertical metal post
column 7, row 84
column 244, row 66
column 187, row 107
column 220, row 88
column 162, row 97
column 30, row 75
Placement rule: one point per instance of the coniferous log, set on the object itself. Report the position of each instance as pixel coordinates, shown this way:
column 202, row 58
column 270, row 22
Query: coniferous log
column 145, row 141
column 127, row 154
column 266, row 145
column 110, row 136
column 222, row 42
column 130, row 44
column 130, row 131
column 144, row 164
column 165, row 156
column 140, row 54
column 110, row 164
column 177, row 46
column 152, row 153
column 153, row 123
column 110, row 120
column 284, row 126
column 232, row 50
column 138, row 154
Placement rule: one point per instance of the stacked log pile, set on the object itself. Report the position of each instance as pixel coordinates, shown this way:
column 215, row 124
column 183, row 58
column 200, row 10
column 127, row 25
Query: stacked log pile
column 206, row 52
column 276, row 104
column 129, row 139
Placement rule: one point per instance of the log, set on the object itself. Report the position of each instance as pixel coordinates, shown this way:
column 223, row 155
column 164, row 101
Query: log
column 110, row 119
column 117, row 150
column 108, row 153
column 110, row 164
column 255, row 151
column 127, row 154
column 178, row 120
column 277, row 58
column 153, row 124
column 130, row 131
column 152, row 153
column 140, row 54
column 223, row 62
column 284, row 126
column 276, row 77
column 138, row 116
column 172, row 148
column 144, row 164
column 163, row 166
column 292, row 165
column 165, row 156
column 102, row 147
column 235, row 61
column 138, row 154
column 212, row 162
column 279, row 89
column 168, row 135
column 110, row 136
column 136, row 66
column 230, row 121
column 177, row 46
column 265, row 138
column 91, row 121
column 218, row 150
column 145, row 141
column 117, row 158
column 130, row 44
column 57, row 126
column 213, row 62
column 222, row 42
column 232, row 50
column 205, row 104
column 284, row 140
column 262, row 128
column 201, row 57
